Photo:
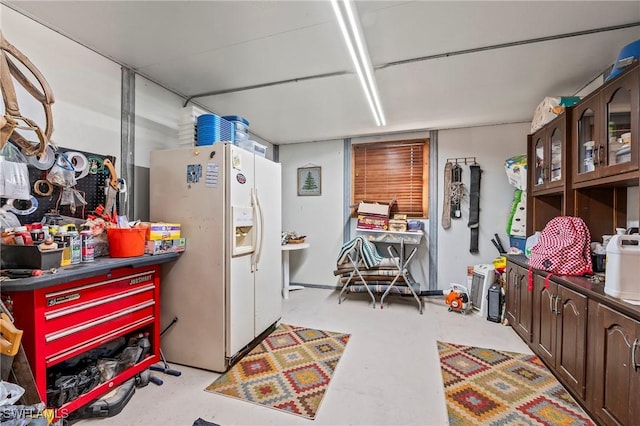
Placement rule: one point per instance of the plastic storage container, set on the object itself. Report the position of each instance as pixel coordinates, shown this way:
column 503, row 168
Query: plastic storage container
column 623, row 267
column 126, row 242
column 240, row 126
column 254, row 147
column 212, row 128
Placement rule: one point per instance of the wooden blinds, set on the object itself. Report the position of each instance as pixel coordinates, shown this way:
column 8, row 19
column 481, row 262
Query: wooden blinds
column 388, row 170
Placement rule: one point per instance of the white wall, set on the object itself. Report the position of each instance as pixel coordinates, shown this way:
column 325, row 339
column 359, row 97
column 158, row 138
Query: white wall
column 320, row 218
column 491, row 145
column 157, row 117
column 86, row 86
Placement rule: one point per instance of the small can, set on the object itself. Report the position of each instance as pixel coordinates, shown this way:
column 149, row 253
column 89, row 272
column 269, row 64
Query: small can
column 37, row 234
column 75, row 245
column 86, row 238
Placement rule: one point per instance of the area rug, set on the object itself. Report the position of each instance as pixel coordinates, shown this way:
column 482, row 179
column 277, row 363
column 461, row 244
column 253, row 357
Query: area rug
column 289, row 370
column 490, row 387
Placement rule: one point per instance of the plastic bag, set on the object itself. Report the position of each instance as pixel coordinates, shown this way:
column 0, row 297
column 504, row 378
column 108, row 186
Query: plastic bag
column 10, row 393
column 62, row 173
column 8, row 219
column 14, row 174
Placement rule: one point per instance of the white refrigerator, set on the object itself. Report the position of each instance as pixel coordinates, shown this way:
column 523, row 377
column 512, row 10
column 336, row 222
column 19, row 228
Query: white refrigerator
column 225, row 289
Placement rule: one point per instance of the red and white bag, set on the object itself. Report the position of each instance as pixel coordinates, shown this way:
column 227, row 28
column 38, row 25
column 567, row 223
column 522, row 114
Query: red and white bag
column 563, row 248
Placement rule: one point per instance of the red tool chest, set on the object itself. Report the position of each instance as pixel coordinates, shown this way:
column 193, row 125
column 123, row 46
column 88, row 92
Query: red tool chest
column 67, row 319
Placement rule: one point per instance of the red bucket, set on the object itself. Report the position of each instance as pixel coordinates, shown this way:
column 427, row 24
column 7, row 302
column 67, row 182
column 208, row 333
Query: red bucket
column 126, row 242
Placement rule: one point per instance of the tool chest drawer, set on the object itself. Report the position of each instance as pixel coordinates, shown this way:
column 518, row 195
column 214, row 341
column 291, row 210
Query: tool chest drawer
column 68, row 319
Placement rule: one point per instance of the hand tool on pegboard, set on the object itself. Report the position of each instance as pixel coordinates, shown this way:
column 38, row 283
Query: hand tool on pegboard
column 123, row 221
column 111, row 191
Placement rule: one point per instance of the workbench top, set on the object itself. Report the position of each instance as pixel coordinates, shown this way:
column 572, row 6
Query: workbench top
column 101, row 265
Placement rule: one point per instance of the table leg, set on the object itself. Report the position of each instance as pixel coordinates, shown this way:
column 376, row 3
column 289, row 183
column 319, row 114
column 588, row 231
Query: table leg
column 285, row 274
column 286, row 285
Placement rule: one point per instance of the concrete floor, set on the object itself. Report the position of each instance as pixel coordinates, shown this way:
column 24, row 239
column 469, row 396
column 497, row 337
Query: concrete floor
column 389, row 373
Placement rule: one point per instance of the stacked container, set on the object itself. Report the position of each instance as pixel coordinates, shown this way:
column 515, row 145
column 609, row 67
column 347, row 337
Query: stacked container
column 212, row 128
column 241, row 127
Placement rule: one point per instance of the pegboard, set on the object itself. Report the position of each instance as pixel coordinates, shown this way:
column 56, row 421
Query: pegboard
column 91, row 186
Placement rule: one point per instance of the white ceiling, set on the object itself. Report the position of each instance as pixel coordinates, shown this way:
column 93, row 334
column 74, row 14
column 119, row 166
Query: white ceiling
column 196, row 47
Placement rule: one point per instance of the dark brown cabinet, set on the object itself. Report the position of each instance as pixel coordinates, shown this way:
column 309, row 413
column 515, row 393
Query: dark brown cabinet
column 590, row 341
column 606, row 124
column 549, row 165
column 617, row 368
column 560, row 331
column 548, row 151
column 519, row 300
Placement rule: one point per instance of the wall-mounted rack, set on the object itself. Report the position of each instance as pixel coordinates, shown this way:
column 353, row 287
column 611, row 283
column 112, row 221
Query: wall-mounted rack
column 465, row 160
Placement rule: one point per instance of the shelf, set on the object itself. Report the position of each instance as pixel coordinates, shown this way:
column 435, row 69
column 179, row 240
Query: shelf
column 392, row 237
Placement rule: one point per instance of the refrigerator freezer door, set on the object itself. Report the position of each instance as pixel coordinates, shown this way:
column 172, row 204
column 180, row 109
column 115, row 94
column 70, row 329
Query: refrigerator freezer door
column 186, row 186
column 240, row 281
column 268, row 255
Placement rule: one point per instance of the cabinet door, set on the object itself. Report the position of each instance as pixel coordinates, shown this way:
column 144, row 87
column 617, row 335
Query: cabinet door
column 556, row 142
column 512, row 293
column 634, row 387
column 616, row 379
column 587, row 136
column 524, row 318
column 571, row 341
column 539, row 154
column 548, row 146
column 544, row 317
column 619, row 150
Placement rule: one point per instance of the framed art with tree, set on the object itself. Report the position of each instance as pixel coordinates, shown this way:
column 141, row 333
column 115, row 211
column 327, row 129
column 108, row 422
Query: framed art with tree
column 309, row 180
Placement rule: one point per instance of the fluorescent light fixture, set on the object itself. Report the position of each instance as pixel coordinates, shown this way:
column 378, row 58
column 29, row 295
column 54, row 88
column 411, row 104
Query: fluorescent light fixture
column 353, row 35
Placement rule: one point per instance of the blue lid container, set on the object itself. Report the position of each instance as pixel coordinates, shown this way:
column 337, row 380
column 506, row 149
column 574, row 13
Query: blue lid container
column 627, row 56
column 212, row 128
column 241, row 125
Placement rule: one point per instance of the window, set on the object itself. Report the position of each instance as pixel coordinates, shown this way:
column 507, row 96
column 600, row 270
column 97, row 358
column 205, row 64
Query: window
column 392, row 170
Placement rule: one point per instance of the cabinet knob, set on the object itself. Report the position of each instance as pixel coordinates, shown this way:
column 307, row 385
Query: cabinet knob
column 635, row 365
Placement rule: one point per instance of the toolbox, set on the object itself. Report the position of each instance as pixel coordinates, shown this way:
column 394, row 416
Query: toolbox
column 15, row 256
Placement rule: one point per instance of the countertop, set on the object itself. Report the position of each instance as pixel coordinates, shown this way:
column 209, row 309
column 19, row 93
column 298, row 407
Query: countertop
column 101, row 265
column 592, row 289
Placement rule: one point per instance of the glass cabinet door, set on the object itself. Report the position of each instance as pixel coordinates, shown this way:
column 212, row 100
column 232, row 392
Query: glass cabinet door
column 587, row 150
column 540, row 160
column 556, row 155
column 618, row 117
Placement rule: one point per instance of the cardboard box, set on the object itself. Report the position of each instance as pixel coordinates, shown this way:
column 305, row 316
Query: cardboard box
column 165, row 246
column 372, row 222
column 378, row 209
column 163, row 231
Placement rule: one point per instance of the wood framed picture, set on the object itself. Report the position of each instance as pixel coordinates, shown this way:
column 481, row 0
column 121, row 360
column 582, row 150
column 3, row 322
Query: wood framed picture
column 309, row 180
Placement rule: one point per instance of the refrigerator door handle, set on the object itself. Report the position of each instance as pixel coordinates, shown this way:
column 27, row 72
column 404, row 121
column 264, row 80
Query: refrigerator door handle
column 260, row 232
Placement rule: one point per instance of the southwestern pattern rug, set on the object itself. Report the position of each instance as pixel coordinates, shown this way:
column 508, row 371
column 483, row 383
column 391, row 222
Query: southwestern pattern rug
column 289, row 370
column 490, row 387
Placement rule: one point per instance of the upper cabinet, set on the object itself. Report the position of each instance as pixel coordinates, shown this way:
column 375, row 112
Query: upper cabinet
column 606, row 125
column 548, row 152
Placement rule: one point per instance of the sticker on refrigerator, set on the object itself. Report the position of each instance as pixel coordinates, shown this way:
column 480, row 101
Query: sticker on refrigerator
column 194, row 173
column 211, row 178
column 241, row 178
column 235, row 161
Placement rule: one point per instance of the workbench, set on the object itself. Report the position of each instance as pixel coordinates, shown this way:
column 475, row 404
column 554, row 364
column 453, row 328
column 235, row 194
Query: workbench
column 81, row 307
